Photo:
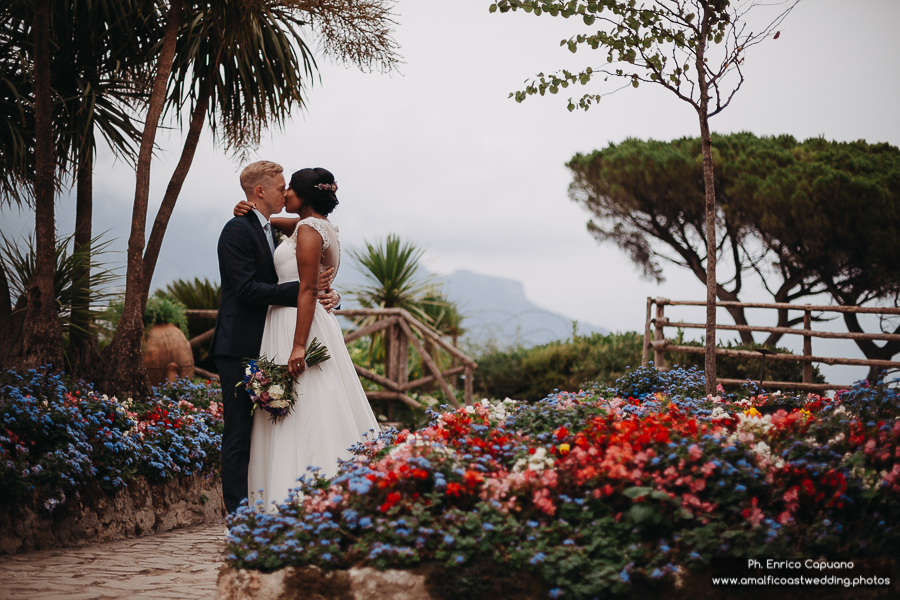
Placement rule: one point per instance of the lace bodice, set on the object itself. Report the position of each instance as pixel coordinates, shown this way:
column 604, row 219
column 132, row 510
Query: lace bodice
column 286, row 252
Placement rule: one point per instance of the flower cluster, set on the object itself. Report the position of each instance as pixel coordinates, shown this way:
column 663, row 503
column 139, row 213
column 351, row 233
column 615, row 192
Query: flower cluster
column 58, row 438
column 591, row 492
column 270, row 385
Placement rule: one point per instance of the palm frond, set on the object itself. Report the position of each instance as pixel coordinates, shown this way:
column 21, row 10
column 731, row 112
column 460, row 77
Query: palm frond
column 394, row 277
column 77, row 275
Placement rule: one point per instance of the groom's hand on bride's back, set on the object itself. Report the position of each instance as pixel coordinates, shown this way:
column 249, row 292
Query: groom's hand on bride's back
column 242, row 208
column 328, row 298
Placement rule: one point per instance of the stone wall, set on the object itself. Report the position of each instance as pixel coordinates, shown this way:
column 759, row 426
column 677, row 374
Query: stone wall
column 140, row 509
column 424, row 583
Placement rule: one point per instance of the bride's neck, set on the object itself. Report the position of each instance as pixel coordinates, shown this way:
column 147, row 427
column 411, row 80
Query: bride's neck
column 306, row 212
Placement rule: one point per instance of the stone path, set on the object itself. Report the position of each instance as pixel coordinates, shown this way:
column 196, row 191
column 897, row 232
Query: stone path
column 179, row 564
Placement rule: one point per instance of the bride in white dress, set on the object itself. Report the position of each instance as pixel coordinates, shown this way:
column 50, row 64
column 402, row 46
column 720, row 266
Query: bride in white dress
column 331, row 413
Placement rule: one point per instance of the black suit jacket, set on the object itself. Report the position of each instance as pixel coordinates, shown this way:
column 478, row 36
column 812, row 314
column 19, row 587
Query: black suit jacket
column 249, row 286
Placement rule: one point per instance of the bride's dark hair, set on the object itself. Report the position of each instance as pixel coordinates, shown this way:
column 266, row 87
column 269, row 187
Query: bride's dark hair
column 317, row 188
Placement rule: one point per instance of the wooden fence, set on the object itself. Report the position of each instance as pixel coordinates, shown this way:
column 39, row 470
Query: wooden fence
column 654, row 338
column 400, row 328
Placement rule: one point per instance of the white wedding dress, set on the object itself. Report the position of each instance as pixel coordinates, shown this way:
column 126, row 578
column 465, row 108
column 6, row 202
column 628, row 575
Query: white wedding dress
column 331, row 413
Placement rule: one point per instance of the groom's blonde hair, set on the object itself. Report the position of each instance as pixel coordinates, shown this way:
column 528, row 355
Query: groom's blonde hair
column 258, row 173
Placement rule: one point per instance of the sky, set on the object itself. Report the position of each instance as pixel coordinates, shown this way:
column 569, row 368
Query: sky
column 439, row 154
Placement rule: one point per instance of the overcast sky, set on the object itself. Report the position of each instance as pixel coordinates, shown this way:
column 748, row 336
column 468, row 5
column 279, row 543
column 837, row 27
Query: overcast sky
column 438, row 154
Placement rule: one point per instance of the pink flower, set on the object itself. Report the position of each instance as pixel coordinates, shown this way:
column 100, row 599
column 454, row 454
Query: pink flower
column 753, row 514
column 543, row 502
column 694, row 452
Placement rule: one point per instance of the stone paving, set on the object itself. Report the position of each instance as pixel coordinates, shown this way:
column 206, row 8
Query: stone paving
column 183, row 563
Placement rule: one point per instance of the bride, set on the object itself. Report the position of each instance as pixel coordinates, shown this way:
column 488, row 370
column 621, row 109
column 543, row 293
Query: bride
column 331, row 412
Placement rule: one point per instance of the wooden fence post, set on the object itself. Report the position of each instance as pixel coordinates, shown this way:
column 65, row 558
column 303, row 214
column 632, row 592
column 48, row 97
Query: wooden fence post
column 469, row 374
column 401, row 376
column 658, row 336
column 807, row 345
column 645, row 351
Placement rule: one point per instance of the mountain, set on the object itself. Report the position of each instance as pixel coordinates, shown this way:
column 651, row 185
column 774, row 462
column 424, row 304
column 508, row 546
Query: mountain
column 496, row 310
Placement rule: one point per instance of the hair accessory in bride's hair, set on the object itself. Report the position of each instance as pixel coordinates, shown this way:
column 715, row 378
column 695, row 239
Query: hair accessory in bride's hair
column 327, row 187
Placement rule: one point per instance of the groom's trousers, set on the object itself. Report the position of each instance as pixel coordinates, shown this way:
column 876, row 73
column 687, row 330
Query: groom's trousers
column 236, row 437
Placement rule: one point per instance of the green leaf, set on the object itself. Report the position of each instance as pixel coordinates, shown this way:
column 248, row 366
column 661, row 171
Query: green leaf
column 635, row 492
column 493, row 8
column 641, row 512
column 660, row 495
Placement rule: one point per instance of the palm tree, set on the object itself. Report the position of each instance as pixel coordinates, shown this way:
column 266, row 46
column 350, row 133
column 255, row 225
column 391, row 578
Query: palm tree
column 104, row 49
column 243, row 68
column 41, row 329
column 394, row 279
column 243, row 65
column 98, row 50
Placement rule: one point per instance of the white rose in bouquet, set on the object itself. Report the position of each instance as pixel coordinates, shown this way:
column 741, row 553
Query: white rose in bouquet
column 279, row 402
column 276, row 392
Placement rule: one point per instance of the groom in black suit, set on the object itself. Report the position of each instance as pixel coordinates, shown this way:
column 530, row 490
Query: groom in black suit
column 249, row 286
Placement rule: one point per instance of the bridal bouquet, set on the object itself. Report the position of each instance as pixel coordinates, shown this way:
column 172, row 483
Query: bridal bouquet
column 271, row 386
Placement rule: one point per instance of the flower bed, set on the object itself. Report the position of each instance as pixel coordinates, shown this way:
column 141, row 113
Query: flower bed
column 57, row 440
column 595, row 492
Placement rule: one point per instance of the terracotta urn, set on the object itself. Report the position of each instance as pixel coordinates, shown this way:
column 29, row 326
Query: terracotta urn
column 167, row 354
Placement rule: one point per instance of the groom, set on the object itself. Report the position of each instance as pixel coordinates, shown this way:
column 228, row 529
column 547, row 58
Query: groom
column 249, row 286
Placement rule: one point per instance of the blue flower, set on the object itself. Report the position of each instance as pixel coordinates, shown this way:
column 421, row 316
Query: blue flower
column 538, row 558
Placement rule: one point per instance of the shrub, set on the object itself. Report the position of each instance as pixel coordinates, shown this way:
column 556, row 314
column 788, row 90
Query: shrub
column 56, row 438
column 161, row 310
column 529, row 373
column 594, row 492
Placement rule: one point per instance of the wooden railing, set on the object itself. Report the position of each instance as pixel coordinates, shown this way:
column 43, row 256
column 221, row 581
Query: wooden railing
column 654, row 338
column 400, row 327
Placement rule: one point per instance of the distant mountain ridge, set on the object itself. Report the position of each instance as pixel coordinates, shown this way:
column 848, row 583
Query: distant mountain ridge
column 496, row 310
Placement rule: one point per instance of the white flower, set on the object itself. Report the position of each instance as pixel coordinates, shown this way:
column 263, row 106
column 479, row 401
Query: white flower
column 278, row 402
column 536, row 462
column 276, row 391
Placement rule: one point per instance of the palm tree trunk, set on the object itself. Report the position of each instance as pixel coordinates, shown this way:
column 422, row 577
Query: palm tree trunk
column 7, row 331
column 710, row 186
column 126, row 373
column 198, row 118
column 83, row 347
column 42, row 329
